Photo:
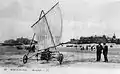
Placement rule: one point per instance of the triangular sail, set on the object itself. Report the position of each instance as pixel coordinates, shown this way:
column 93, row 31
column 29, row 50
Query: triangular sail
column 50, row 23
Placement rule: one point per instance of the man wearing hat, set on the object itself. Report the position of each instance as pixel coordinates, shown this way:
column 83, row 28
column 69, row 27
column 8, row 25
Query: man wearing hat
column 105, row 52
column 99, row 51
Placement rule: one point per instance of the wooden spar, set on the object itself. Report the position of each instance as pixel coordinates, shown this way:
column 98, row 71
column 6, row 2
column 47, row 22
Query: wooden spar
column 41, row 14
column 49, row 30
column 31, row 42
column 44, row 14
column 54, row 46
column 33, row 38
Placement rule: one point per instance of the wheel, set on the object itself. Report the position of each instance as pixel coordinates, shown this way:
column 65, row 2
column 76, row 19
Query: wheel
column 25, row 58
column 60, row 58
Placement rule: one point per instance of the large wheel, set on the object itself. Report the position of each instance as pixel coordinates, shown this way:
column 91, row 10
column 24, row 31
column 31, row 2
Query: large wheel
column 60, row 58
column 25, row 58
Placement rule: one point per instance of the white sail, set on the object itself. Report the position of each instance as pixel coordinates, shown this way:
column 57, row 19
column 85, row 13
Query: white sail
column 48, row 29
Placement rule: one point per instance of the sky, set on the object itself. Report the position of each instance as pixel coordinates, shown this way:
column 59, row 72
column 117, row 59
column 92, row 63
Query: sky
column 80, row 17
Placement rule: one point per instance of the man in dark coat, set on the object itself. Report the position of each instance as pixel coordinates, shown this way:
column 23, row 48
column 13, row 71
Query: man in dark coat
column 99, row 51
column 33, row 48
column 105, row 52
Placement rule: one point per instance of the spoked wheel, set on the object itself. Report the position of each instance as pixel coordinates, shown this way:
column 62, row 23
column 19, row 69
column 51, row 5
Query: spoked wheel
column 25, row 58
column 60, row 58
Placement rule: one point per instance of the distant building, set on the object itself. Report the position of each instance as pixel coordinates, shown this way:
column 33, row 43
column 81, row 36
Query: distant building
column 95, row 39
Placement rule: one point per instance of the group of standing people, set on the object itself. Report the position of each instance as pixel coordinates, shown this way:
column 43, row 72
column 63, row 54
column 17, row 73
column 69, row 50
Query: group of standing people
column 101, row 48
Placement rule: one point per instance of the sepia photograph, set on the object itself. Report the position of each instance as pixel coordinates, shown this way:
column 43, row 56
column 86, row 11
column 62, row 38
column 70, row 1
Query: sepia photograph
column 60, row 36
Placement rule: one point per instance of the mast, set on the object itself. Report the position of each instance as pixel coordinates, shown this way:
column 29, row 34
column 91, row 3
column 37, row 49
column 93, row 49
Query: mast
column 49, row 30
column 31, row 43
column 40, row 15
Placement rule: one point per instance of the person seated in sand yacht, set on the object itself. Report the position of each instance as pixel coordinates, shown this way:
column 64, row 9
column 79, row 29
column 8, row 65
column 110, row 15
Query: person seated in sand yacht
column 46, row 54
column 33, row 48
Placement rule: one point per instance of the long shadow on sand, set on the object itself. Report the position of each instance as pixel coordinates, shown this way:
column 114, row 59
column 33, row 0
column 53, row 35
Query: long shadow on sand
column 69, row 62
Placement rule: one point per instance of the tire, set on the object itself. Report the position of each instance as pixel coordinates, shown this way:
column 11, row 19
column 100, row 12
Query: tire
column 25, row 59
